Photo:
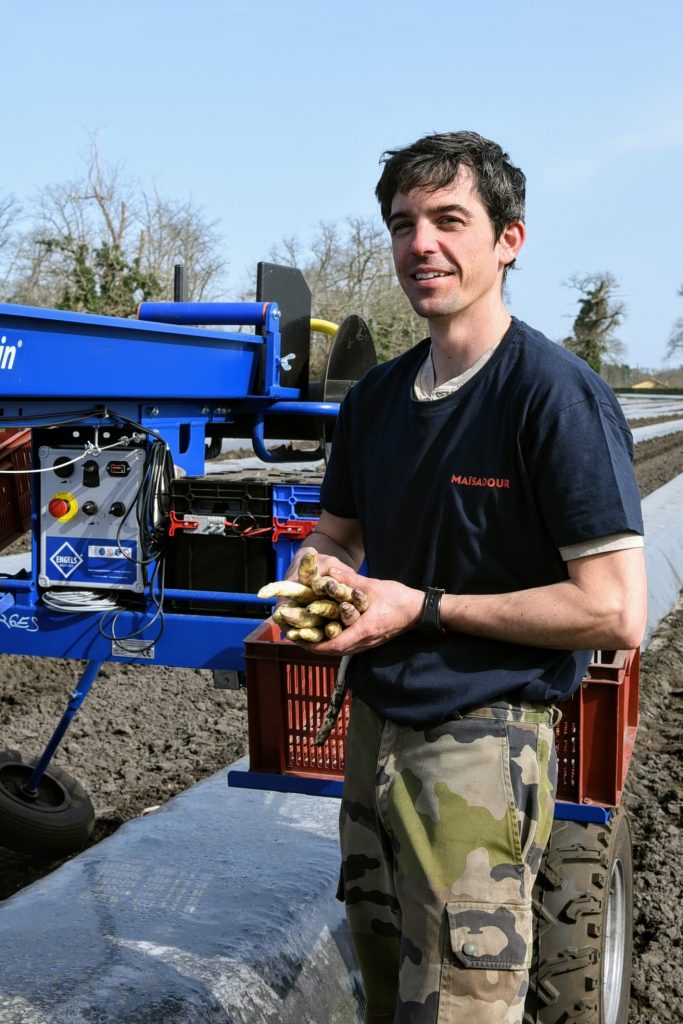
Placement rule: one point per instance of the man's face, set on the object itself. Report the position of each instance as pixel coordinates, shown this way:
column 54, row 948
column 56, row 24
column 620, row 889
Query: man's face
column 446, row 255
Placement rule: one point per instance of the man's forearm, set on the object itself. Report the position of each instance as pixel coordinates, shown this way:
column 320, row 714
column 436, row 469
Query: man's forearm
column 603, row 605
column 556, row 616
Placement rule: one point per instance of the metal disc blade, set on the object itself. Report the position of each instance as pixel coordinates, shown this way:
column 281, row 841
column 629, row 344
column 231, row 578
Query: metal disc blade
column 351, row 354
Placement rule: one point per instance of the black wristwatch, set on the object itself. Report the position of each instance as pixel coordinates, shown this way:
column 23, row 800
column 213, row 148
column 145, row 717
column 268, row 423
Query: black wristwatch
column 430, row 619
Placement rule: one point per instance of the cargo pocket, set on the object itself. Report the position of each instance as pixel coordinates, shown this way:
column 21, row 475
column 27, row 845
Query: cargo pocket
column 491, row 936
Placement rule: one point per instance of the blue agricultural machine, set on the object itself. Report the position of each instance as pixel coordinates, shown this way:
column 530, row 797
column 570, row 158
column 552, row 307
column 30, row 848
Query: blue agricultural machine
column 139, row 556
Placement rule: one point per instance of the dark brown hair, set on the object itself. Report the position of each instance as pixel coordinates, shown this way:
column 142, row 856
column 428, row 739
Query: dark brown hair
column 433, row 162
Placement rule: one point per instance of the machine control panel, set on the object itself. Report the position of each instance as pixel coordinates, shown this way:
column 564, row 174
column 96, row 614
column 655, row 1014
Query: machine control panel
column 89, row 532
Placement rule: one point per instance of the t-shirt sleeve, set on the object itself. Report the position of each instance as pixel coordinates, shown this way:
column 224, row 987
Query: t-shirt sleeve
column 601, row 545
column 337, row 491
column 580, row 467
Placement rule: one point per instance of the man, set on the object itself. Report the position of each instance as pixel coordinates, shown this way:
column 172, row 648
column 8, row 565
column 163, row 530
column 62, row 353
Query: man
column 486, row 478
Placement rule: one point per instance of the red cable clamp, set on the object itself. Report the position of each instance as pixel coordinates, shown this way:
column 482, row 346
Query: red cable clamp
column 181, row 524
column 295, row 528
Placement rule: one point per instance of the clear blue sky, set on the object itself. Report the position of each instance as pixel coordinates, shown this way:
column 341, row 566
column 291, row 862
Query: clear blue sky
column 272, row 114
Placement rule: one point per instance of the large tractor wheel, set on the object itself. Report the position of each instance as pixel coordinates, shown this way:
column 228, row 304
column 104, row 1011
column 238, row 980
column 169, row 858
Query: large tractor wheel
column 581, row 969
column 56, row 821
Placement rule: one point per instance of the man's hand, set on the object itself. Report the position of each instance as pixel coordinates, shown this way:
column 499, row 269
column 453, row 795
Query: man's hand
column 393, row 608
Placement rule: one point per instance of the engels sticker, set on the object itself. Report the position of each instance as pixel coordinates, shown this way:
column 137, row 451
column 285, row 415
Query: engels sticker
column 8, row 353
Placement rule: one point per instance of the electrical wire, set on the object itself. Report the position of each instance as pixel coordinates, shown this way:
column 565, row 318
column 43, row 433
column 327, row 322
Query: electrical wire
column 72, row 602
column 112, row 414
column 246, row 525
column 151, row 505
column 89, row 450
column 114, row 616
column 98, row 412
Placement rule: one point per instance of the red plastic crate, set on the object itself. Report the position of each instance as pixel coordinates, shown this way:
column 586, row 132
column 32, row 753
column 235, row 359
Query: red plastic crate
column 595, row 738
column 288, row 690
column 15, row 488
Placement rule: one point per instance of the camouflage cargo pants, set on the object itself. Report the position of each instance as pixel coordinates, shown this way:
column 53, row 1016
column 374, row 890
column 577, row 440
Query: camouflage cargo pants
column 442, row 832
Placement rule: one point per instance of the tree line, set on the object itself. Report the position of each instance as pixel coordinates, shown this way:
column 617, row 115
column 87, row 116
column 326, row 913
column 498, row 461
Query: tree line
column 100, row 243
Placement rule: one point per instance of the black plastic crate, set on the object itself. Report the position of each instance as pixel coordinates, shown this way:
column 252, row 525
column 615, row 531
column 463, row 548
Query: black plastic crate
column 216, row 495
column 239, row 559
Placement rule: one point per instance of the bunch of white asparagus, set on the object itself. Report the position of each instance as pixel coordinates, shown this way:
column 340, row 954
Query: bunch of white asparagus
column 313, row 607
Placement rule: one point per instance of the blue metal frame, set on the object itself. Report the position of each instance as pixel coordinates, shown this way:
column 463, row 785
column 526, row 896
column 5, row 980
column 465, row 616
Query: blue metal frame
column 256, row 314
column 586, row 813
column 75, row 354
column 315, row 786
column 189, row 377
column 188, row 640
column 310, row 785
column 193, row 376
column 76, row 699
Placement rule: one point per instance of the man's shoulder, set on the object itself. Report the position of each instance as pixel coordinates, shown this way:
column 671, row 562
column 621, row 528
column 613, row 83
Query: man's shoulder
column 540, row 351
column 548, row 365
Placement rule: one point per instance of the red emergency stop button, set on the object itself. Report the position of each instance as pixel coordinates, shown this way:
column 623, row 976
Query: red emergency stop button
column 62, row 506
column 59, row 507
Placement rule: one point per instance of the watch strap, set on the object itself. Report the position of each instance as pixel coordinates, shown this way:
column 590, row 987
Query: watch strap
column 430, row 619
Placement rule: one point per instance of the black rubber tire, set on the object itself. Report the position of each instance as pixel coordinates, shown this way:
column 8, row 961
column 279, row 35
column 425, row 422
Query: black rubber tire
column 583, row 942
column 57, row 822
column 213, row 447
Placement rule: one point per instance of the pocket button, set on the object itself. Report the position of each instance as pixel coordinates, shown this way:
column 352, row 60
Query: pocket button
column 469, row 949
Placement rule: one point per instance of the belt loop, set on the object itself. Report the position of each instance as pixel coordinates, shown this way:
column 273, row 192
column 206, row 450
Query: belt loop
column 555, row 716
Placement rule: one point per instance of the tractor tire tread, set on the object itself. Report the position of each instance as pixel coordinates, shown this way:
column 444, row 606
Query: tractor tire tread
column 571, row 902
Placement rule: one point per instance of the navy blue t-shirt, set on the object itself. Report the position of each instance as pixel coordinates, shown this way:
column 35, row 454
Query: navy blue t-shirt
column 475, row 493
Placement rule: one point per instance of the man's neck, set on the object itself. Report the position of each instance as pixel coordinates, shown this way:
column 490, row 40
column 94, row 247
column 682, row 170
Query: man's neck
column 459, row 341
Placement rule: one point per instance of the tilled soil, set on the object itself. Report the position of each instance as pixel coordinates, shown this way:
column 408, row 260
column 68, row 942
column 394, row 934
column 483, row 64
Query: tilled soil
column 145, row 734
column 657, row 461
column 655, row 802
column 142, row 735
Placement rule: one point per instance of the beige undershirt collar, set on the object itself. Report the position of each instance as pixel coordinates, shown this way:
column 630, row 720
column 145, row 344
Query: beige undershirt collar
column 424, row 389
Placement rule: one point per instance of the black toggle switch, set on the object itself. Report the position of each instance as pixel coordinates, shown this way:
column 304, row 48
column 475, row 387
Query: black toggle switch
column 117, row 509
column 91, row 474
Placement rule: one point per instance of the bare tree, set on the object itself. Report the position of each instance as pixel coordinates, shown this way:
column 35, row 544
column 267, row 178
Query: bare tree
column 600, row 314
column 9, row 211
column 675, row 343
column 349, row 269
column 170, row 230
column 9, row 214
column 100, row 244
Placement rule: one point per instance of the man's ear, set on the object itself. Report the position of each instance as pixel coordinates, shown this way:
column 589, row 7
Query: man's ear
column 511, row 241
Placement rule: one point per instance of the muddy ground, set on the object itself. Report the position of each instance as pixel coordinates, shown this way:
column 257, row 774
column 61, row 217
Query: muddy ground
column 145, row 734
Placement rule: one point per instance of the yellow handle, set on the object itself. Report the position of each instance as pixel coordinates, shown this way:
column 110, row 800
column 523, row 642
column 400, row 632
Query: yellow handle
column 324, row 326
